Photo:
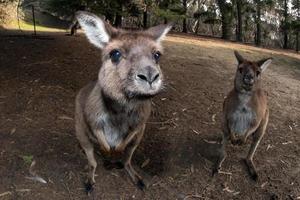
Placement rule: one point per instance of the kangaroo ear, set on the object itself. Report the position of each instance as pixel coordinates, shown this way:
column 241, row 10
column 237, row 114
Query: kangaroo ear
column 238, row 56
column 96, row 30
column 264, row 63
column 159, row 32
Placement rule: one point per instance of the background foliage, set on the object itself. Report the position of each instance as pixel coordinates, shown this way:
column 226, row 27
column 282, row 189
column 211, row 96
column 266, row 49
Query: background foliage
column 271, row 23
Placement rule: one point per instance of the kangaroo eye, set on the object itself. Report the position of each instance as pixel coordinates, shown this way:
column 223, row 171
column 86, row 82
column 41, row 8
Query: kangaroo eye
column 240, row 69
column 115, row 56
column 156, row 56
column 257, row 73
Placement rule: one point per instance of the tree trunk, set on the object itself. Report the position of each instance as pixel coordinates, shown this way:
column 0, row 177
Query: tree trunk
column 297, row 28
column 165, row 20
column 118, row 19
column 226, row 30
column 258, row 24
column 226, row 19
column 212, row 29
column 145, row 19
column 285, row 31
column 197, row 26
column 109, row 17
column 239, row 36
column 297, row 41
column 184, row 24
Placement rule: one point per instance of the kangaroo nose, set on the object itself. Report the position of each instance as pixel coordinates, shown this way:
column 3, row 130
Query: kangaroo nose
column 149, row 75
column 248, row 79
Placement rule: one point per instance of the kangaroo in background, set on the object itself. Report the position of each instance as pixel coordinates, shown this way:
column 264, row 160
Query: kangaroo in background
column 111, row 113
column 245, row 110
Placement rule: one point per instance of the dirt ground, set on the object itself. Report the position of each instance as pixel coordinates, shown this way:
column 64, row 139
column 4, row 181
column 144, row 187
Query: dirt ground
column 39, row 79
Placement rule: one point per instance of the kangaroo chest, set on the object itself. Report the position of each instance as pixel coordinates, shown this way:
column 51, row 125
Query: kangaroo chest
column 116, row 127
column 242, row 117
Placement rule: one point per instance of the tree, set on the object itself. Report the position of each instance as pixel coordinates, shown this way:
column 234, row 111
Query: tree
column 296, row 22
column 260, row 5
column 145, row 6
column 169, row 10
column 239, row 28
column 285, row 23
column 184, row 25
column 226, row 10
column 258, row 22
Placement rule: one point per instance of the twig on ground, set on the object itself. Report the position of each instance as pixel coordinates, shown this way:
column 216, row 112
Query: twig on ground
column 5, row 193
column 223, row 172
column 41, row 62
column 64, row 117
column 193, row 196
column 211, row 142
column 196, row 132
column 288, row 142
column 33, row 174
column 23, row 190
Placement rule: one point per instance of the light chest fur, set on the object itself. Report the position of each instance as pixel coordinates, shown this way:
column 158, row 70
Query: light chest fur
column 242, row 116
column 116, row 127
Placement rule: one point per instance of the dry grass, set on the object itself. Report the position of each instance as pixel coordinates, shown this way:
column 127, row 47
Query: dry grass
column 205, row 42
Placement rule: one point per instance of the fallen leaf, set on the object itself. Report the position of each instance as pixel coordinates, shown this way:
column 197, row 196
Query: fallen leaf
column 192, row 169
column 145, row 163
column 27, row 159
column 213, row 118
column 64, row 117
column 13, row 131
column 264, row 184
column 269, row 147
column 36, row 178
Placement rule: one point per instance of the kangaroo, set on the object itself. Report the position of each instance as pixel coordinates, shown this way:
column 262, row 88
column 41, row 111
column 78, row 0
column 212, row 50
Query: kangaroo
column 245, row 110
column 111, row 112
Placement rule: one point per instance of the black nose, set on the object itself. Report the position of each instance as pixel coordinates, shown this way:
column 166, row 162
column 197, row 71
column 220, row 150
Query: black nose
column 248, row 79
column 149, row 75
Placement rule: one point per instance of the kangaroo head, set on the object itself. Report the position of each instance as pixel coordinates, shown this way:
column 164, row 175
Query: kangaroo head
column 130, row 59
column 248, row 73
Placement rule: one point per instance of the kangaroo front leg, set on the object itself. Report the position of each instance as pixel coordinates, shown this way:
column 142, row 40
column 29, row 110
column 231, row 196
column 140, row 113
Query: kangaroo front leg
column 89, row 151
column 135, row 177
column 221, row 157
column 222, row 154
column 258, row 134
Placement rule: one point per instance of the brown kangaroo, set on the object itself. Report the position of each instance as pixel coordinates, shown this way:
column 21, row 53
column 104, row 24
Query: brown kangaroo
column 111, row 113
column 245, row 110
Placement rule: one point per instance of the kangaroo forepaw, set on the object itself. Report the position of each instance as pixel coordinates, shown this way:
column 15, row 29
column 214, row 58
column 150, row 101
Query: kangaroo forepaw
column 251, row 169
column 89, row 187
column 215, row 171
column 141, row 185
column 254, row 176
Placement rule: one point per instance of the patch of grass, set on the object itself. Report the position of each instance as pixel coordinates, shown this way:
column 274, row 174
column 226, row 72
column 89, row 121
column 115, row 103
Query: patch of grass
column 25, row 26
column 27, row 159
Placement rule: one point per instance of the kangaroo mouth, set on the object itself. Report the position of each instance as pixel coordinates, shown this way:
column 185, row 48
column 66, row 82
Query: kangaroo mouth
column 247, row 87
column 140, row 95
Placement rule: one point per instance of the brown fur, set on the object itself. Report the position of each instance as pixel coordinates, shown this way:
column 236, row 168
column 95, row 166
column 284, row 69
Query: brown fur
column 245, row 110
column 111, row 113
